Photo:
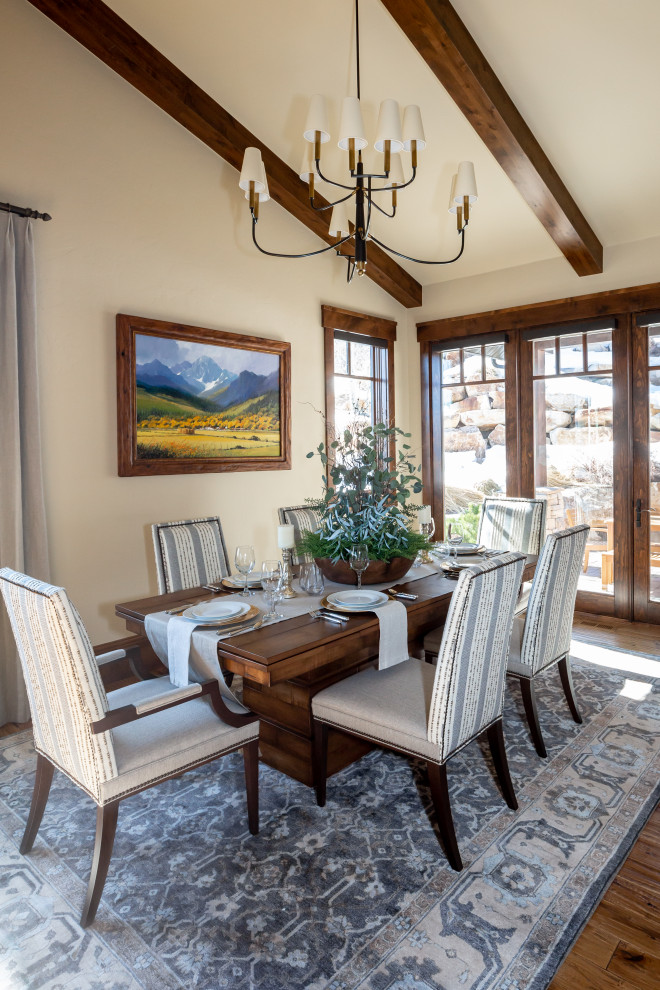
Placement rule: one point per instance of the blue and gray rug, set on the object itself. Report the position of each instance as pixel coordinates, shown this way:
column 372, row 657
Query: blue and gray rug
column 357, row 894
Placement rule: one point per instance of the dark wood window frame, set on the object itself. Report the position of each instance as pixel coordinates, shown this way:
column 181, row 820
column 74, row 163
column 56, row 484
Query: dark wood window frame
column 377, row 329
column 577, row 314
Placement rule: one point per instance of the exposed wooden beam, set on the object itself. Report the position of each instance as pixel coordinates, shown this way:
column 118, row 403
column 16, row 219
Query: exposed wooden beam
column 106, row 35
column 441, row 38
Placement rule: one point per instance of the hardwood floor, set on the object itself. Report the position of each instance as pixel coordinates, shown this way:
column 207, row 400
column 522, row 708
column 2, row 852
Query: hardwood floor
column 619, row 948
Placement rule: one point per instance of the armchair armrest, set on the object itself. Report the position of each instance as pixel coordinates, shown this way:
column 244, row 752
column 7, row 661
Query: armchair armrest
column 130, row 713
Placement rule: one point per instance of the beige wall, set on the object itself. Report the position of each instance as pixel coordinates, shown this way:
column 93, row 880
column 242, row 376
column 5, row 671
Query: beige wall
column 147, row 221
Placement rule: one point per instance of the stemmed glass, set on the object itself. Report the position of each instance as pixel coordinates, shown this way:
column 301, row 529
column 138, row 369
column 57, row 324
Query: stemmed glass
column 455, row 539
column 244, row 560
column 271, row 582
column 359, row 560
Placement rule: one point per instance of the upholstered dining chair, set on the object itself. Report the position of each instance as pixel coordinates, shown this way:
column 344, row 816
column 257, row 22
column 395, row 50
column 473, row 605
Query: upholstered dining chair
column 189, row 553
column 504, row 524
column 542, row 637
column 111, row 745
column 302, row 518
column 434, row 712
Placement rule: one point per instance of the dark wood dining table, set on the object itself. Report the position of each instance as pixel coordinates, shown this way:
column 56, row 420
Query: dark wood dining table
column 285, row 664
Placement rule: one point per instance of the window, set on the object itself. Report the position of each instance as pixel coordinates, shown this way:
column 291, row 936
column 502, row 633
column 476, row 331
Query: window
column 472, row 392
column 359, row 365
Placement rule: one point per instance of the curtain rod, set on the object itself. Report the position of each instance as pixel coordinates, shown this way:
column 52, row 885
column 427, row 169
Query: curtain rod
column 24, row 211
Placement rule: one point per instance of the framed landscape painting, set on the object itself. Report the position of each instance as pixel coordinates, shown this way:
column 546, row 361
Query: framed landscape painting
column 191, row 400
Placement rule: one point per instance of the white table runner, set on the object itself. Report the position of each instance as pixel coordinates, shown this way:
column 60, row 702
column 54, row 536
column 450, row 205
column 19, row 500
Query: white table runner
column 191, row 652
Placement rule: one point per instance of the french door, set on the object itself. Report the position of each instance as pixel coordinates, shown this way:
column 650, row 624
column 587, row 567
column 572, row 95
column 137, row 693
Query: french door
column 645, row 514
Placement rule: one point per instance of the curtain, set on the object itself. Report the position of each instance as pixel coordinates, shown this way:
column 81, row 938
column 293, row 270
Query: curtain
column 23, row 543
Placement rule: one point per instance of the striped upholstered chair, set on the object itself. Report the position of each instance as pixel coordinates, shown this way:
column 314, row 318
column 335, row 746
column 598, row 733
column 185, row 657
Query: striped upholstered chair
column 302, row 518
column 433, row 712
column 110, row 745
column 189, row 553
column 542, row 637
column 504, row 524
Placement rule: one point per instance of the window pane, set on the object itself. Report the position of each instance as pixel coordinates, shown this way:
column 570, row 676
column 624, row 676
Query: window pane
column 654, row 479
column 361, row 355
column 451, row 366
column 341, row 357
column 599, row 351
column 472, row 369
column 494, row 360
column 544, row 357
column 474, row 452
column 571, row 356
column 353, row 402
column 574, row 466
column 654, row 345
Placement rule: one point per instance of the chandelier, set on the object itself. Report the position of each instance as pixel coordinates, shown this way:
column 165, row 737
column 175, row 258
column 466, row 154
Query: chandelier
column 365, row 188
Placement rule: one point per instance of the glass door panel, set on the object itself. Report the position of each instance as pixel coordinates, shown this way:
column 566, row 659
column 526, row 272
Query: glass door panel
column 647, row 529
column 574, row 445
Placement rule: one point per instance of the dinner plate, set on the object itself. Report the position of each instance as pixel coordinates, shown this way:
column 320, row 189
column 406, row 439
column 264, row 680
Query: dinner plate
column 238, row 581
column 461, row 548
column 355, row 601
column 219, row 613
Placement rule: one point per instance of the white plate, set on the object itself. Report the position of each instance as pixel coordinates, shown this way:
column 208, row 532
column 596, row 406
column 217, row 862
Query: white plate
column 238, row 581
column 460, row 548
column 357, row 600
column 216, row 611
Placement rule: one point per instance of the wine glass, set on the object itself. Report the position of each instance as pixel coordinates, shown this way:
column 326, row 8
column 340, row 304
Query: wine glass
column 359, row 560
column 271, row 582
column 244, row 560
column 455, row 539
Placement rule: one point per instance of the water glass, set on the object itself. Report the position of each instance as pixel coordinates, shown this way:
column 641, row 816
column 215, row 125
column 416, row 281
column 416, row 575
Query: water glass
column 311, row 579
column 244, row 560
column 271, row 582
column 359, row 560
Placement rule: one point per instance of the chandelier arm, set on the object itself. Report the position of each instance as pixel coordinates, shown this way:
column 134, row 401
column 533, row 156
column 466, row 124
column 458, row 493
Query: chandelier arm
column 372, row 202
column 402, row 186
column 328, row 206
column 340, row 185
column 421, row 261
column 306, row 254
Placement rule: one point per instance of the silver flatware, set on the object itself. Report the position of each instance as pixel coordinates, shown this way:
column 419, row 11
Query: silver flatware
column 401, row 594
column 179, row 608
column 247, row 627
column 212, row 587
column 337, row 619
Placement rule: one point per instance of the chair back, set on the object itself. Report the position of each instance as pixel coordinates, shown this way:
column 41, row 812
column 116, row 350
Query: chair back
column 547, row 633
column 513, row 524
column 189, row 553
column 302, row 518
column 62, row 679
column 469, row 679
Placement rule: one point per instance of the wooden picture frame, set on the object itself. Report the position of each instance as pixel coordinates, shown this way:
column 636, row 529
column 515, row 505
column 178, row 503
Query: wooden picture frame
column 175, row 417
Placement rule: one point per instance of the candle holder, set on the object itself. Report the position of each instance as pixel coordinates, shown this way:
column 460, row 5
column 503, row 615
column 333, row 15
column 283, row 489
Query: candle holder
column 426, row 529
column 287, row 574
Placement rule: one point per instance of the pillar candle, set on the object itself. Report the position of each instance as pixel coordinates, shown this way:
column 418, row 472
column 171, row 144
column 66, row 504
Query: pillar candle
column 424, row 515
column 285, row 537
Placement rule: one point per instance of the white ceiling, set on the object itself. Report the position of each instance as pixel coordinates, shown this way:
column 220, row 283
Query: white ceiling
column 585, row 76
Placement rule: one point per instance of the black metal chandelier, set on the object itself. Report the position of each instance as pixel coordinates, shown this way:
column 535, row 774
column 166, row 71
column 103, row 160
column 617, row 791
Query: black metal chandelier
column 391, row 140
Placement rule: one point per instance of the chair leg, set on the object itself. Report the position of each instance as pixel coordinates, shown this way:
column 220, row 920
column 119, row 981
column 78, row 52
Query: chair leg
column 440, row 794
column 42, row 782
column 320, row 760
column 498, row 752
column 106, row 826
column 430, row 657
column 567, row 684
column 529, row 701
column 251, row 764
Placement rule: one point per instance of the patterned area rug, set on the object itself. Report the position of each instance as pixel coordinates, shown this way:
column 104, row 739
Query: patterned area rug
column 357, row 894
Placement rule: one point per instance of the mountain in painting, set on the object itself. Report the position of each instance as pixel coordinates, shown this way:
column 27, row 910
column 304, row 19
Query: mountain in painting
column 155, row 373
column 246, row 386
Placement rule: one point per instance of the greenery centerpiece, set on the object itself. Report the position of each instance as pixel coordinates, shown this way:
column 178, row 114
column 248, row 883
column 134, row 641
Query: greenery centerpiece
column 366, row 490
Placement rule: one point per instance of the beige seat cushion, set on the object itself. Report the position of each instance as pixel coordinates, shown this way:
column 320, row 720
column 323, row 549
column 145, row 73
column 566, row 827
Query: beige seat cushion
column 166, row 742
column 390, row 707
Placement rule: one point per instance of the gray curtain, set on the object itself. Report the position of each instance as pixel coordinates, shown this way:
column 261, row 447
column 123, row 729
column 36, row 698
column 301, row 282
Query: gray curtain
column 23, row 543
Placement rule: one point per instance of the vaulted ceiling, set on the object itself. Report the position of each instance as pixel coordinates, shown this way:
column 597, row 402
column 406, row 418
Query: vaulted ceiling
column 585, row 77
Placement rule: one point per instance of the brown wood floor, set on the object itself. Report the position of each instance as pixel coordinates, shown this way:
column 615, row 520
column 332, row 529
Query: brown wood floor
column 619, row 948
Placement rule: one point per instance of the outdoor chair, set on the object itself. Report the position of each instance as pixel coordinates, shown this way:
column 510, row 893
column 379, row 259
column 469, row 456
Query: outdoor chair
column 189, row 553
column 117, row 744
column 542, row 637
column 434, row 712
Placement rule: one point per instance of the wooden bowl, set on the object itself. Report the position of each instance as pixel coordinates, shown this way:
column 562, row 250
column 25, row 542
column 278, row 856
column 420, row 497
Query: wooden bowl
column 378, row 571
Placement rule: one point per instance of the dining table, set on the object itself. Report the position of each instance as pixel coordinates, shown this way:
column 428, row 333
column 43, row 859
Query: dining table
column 284, row 664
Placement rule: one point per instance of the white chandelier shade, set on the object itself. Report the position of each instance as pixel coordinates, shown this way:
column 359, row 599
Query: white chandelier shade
column 252, row 171
column 317, row 120
column 413, row 129
column 339, row 225
column 351, row 126
column 389, row 127
column 466, row 184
